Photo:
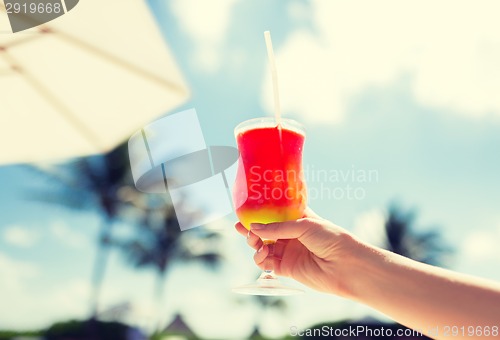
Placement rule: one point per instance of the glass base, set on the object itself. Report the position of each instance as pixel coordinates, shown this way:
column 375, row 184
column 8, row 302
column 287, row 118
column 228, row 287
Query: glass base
column 267, row 284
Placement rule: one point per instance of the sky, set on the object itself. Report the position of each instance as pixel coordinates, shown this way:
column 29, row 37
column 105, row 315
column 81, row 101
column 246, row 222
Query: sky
column 405, row 92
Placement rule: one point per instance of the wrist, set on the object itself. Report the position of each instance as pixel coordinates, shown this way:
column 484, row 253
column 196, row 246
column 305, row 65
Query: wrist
column 360, row 270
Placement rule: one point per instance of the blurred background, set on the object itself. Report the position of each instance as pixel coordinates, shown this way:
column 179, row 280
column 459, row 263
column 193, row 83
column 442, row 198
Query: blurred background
column 401, row 106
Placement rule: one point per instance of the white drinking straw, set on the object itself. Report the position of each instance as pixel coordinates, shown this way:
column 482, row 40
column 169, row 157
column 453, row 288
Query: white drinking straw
column 274, row 74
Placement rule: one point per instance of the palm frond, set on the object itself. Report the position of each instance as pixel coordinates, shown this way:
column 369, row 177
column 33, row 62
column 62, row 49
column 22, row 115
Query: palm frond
column 68, row 200
column 404, row 238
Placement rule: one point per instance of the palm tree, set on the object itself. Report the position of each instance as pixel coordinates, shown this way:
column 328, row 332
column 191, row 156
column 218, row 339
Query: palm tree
column 423, row 246
column 159, row 242
column 91, row 183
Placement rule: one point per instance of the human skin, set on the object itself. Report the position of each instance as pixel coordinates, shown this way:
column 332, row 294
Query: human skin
column 327, row 258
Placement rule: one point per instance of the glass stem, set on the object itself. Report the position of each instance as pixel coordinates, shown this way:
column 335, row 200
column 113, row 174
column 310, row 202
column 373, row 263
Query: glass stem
column 269, row 262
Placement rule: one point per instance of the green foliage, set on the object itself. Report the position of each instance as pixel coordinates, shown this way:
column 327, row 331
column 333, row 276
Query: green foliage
column 86, row 330
column 166, row 335
column 7, row 335
column 405, row 238
column 75, row 330
column 158, row 242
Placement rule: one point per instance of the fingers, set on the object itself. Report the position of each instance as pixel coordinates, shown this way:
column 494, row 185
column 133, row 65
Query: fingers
column 262, row 250
column 279, row 248
column 307, row 213
column 310, row 232
column 241, row 229
column 252, row 240
column 285, row 230
column 260, row 255
column 266, row 262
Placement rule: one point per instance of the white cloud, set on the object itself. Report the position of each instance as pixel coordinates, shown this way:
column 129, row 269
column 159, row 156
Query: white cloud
column 27, row 302
column 482, row 245
column 28, row 309
column 450, row 50
column 298, row 11
column 71, row 298
column 24, row 306
column 216, row 318
column 370, row 227
column 13, row 272
column 20, row 236
column 68, row 236
column 206, row 22
column 143, row 314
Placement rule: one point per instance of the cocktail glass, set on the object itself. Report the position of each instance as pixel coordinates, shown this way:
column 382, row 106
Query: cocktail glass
column 269, row 186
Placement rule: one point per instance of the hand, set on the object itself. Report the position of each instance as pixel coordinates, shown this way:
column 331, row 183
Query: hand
column 325, row 257
column 310, row 250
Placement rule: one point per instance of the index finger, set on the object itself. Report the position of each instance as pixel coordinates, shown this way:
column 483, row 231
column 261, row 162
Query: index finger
column 241, row 229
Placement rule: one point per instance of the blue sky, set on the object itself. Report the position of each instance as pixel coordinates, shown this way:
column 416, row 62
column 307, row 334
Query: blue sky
column 376, row 90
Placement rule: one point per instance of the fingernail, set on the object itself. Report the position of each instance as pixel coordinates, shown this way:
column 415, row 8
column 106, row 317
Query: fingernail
column 260, row 249
column 248, row 234
column 257, row 226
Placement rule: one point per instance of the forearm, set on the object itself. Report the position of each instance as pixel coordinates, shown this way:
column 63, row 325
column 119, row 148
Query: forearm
column 420, row 296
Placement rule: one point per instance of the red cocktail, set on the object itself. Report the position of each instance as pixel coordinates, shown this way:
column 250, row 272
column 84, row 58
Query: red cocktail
column 269, row 185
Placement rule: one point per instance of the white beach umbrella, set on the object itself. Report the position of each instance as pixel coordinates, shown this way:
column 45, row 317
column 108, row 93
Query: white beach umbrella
column 84, row 82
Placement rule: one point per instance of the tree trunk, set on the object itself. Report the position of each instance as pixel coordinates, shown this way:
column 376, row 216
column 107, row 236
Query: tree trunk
column 100, row 266
column 159, row 292
column 160, row 286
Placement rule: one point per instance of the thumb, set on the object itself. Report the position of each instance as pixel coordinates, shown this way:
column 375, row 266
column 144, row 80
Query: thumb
column 310, row 232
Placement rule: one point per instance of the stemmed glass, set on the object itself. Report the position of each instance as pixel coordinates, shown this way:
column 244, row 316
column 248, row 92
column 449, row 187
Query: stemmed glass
column 269, row 186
